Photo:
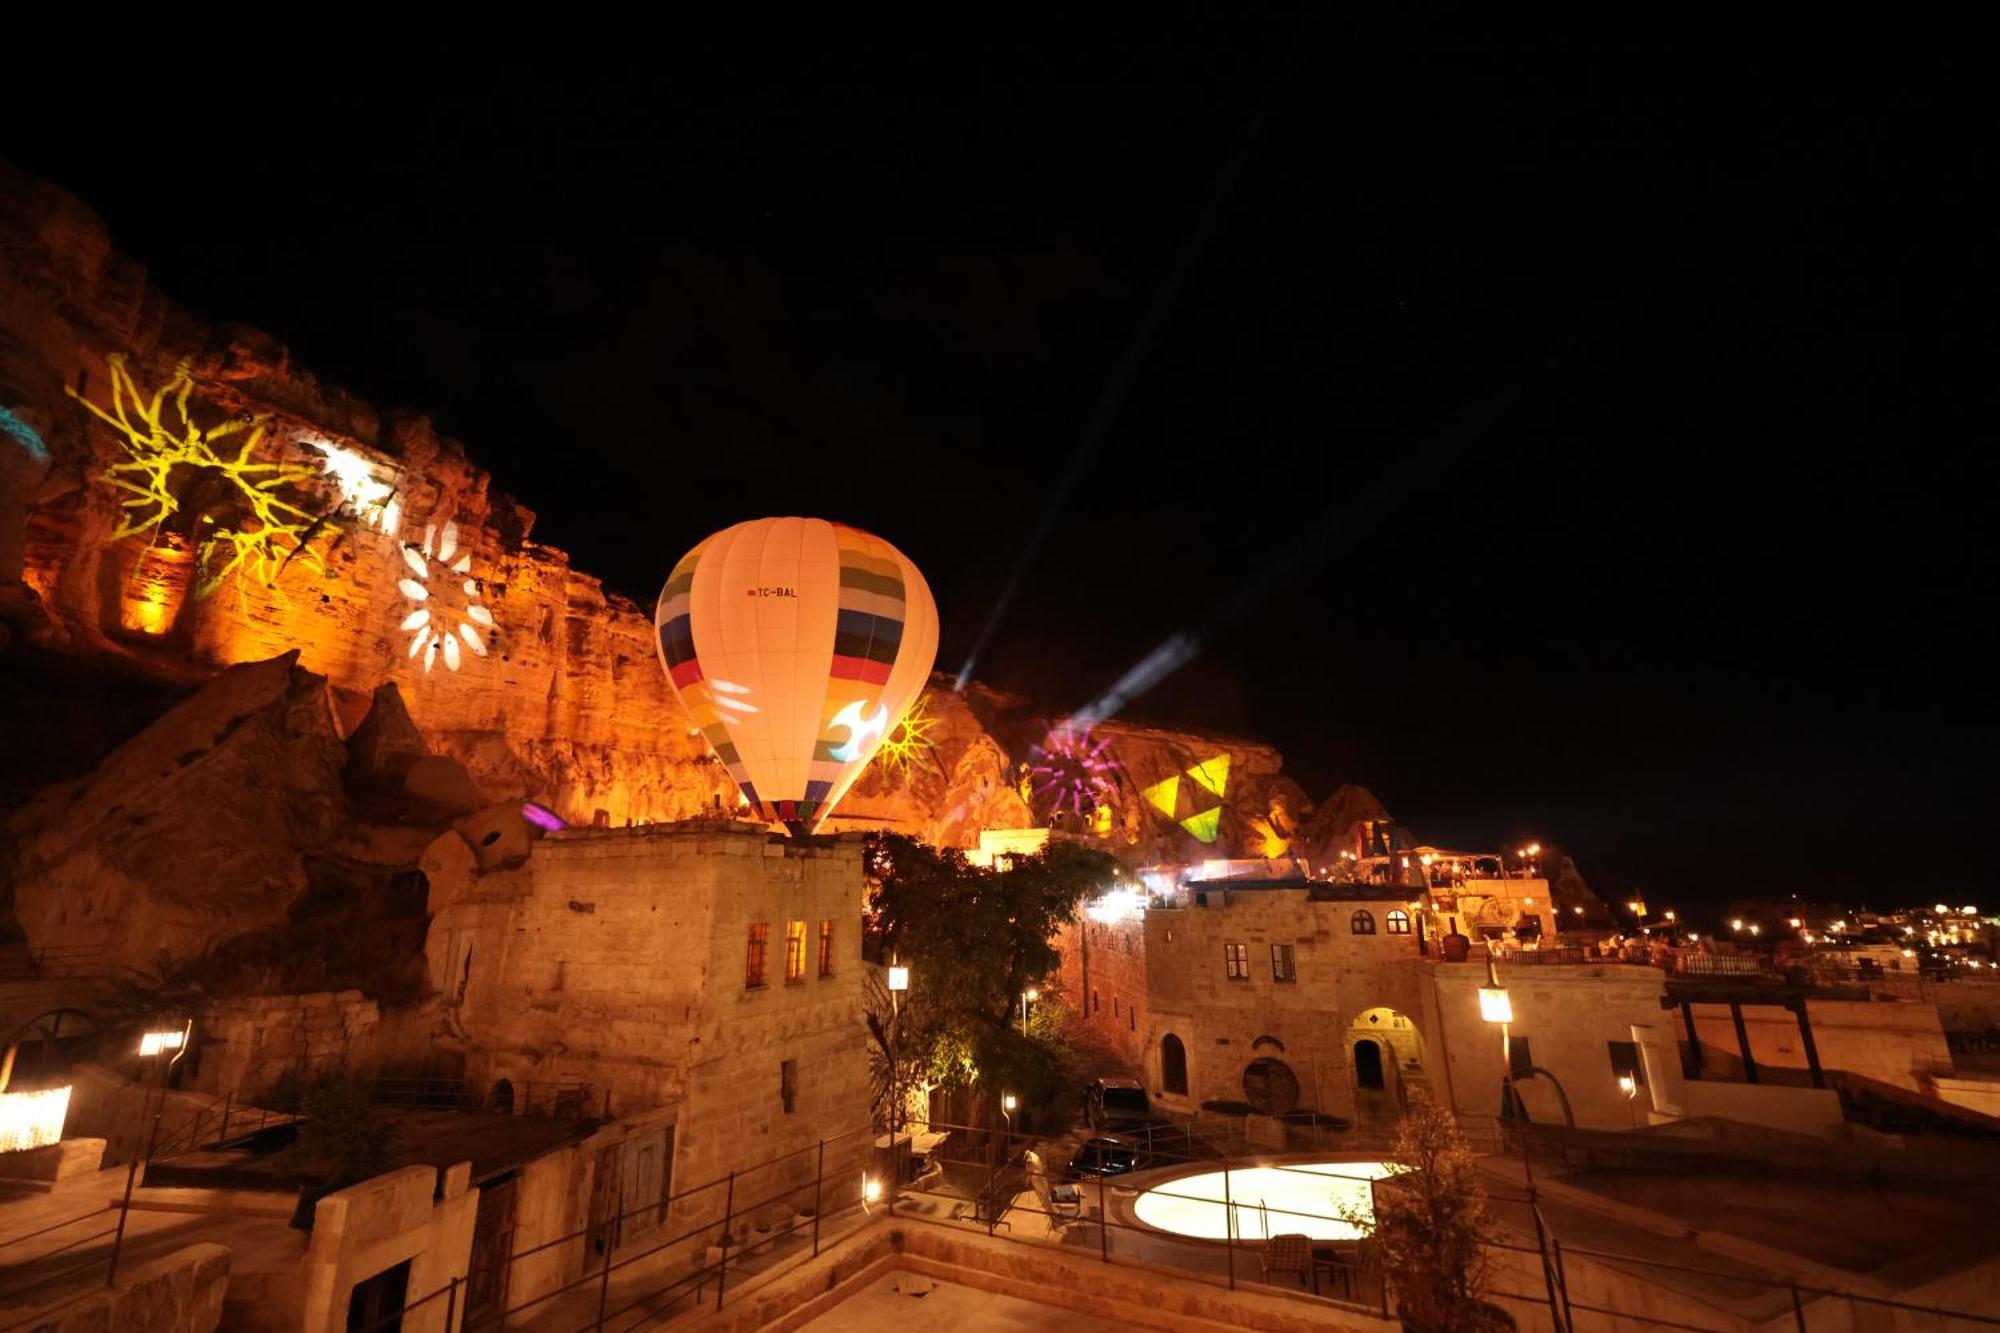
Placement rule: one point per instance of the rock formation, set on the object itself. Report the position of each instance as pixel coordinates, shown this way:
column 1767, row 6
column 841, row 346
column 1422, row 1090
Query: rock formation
column 371, row 549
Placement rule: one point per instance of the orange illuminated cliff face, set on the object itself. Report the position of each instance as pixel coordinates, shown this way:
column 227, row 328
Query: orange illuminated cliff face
column 207, row 503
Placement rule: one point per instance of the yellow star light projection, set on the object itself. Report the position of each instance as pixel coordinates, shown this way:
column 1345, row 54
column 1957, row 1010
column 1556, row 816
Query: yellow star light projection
column 907, row 748
column 443, row 619
column 177, row 468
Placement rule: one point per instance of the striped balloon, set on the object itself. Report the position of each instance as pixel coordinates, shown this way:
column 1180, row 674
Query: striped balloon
column 796, row 645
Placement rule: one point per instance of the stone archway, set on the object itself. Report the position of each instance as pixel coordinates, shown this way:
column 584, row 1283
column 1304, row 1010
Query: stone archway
column 1386, row 1060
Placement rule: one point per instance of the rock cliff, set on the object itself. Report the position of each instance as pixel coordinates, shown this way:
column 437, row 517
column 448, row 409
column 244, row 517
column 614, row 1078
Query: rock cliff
column 191, row 499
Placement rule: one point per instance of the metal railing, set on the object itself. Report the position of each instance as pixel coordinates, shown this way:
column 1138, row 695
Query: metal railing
column 212, row 1126
column 9, row 1294
column 1339, row 1275
column 523, row 1097
column 65, row 962
column 829, row 1189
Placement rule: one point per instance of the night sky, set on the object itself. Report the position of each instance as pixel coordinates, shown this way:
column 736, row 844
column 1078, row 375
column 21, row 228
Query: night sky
column 1565, row 442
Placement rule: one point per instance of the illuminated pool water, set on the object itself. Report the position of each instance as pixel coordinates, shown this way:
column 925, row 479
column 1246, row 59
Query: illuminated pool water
column 1309, row 1198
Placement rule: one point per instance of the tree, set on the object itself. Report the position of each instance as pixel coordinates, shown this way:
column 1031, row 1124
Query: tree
column 1431, row 1226
column 975, row 939
column 343, row 1137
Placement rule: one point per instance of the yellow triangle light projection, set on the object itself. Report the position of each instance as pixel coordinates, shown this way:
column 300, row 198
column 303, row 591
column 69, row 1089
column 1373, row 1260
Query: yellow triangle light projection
column 1164, row 796
column 1205, row 824
column 1212, row 774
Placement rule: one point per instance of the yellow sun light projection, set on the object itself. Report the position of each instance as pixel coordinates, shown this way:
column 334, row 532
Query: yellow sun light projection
column 907, row 748
column 176, row 468
column 448, row 611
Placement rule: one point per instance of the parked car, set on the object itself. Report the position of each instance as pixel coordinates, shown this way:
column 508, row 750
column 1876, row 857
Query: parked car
column 1117, row 1103
column 1105, row 1157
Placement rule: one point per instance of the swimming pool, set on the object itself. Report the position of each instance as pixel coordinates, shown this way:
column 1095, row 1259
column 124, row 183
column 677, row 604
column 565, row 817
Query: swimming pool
column 1311, row 1198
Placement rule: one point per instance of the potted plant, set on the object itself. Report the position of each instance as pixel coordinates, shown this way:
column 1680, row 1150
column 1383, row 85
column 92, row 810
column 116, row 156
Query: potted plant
column 1430, row 1229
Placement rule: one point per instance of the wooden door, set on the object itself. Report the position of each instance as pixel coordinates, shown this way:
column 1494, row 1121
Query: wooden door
column 492, row 1249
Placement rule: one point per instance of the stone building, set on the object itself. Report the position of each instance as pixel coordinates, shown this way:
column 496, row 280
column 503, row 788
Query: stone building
column 1280, row 995
column 700, row 984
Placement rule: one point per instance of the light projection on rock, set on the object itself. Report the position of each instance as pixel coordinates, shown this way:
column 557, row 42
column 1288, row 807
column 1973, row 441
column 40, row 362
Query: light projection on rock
column 1193, row 798
column 907, row 749
column 794, row 643
column 447, row 611
column 365, row 495
column 24, row 435
column 1072, row 772
column 212, row 484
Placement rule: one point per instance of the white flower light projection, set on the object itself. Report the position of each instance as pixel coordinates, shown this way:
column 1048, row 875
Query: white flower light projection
column 796, row 645
column 441, row 620
column 369, row 498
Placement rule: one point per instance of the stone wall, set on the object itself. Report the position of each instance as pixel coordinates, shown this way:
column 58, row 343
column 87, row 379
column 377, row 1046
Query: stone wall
column 180, row 1292
column 1103, row 980
column 1568, row 1015
column 246, row 1044
column 618, row 958
column 416, row 1215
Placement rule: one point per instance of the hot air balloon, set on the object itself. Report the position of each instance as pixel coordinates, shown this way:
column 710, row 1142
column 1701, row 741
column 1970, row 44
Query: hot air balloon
column 796, row 644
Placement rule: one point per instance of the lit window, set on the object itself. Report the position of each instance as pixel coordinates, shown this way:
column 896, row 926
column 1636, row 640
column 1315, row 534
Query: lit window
column 826, row 948
column 754, row 957
column 1363, row 922
column 1281, row 963
column 795, row 951
column 1236, row 960
column 1399, row 922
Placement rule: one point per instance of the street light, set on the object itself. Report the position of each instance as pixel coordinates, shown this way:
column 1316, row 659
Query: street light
column 152, row 1045
column 1029, row 994
column 899, row 981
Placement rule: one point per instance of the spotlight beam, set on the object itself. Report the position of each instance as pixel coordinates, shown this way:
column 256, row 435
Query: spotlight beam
column 1144, row 337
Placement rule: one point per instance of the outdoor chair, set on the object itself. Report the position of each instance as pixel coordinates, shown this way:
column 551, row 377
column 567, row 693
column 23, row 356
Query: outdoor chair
column 1061, row 1203
column 1289, row 1253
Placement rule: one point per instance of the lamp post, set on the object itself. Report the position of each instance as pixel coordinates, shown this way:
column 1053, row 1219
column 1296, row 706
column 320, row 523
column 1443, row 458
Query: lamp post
column 152, row 1045
column 899, row 981
column 1029, row 994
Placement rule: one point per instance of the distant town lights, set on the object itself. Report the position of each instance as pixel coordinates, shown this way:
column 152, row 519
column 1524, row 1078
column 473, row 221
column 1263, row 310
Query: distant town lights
column 1756, row 929
column 1736, row 923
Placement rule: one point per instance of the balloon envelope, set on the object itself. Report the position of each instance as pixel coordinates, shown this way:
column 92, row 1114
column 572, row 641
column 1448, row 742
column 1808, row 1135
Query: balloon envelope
column 796, row 645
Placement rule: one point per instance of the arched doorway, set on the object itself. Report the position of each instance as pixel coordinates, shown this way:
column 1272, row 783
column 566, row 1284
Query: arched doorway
column 1367, row 1064
column 1387, row 1063
column 1173, row 1066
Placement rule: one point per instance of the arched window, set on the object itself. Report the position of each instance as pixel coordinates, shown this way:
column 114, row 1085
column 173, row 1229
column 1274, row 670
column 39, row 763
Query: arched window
column 1363, row 922
column 1173, row 1065
column 1399, row 922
